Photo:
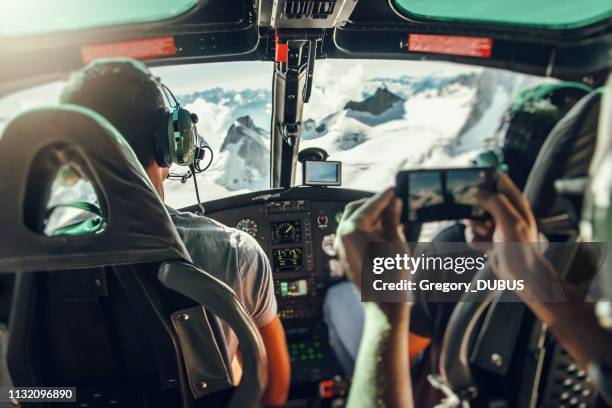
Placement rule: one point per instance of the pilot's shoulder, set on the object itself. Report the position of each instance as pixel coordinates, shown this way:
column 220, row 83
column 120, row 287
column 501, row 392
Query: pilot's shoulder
column 193, row 222
column 213, row 229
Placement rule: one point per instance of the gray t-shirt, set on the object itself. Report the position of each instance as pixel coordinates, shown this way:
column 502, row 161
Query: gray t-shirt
column 234, row 257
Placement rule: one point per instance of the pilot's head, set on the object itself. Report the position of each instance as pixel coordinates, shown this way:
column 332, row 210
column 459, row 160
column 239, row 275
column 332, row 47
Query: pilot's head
column 523, row 140
column 529, row 122
column 126, row 93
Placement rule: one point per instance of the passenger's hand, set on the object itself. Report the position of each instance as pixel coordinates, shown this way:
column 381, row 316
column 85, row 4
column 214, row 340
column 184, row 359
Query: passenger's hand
column 376, row 219
column 515, row 254
column 512, row 218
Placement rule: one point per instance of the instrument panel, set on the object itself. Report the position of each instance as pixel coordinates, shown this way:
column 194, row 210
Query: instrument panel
column 287, row 259
column 297, row 234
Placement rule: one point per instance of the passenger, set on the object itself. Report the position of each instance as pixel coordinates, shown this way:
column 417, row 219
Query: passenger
column 125, row 92
column 382, row 371
column 525, row 126
column 572, row 321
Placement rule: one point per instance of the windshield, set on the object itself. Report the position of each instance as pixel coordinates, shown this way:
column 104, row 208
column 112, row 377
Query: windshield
column 35, row 17
column 380, row 117
column 233, row 103
column 377, row 117
column 557, row 14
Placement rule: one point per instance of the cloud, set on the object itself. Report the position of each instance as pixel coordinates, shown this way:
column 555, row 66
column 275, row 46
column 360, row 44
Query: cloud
column 213, row 118
column 15, row 103
column 333, row 88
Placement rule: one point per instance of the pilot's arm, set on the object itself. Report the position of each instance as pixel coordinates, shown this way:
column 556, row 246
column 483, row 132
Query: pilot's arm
column 279, row 375
column 258, row 294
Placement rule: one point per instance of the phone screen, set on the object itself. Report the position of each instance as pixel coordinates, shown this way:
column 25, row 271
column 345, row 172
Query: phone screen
column 443, row 194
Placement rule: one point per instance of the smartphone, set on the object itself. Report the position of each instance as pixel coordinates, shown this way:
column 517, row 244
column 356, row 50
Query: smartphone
column 443, row 194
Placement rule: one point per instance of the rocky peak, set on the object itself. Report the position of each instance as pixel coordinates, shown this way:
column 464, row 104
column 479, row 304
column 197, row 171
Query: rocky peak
column 246, row 121
column 381, row 101
column 243, row 128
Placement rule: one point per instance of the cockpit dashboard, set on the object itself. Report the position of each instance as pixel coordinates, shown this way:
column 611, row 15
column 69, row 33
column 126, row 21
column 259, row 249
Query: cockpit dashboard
column 296, row 228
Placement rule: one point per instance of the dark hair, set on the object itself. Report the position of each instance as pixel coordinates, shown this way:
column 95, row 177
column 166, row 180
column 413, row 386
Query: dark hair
column 125, row 93
column 529, row 127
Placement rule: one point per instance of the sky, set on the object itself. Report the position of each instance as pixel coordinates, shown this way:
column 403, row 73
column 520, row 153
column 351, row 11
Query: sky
column 240, row 75
column 254, row 74
column 336, row 81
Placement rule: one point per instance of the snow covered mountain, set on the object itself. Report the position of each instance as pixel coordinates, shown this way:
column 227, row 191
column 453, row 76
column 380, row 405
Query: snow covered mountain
column 400, row 122
column 408, row 122
column 381, row 107
column 377, row 118
column 244, row 152
column 219, row 108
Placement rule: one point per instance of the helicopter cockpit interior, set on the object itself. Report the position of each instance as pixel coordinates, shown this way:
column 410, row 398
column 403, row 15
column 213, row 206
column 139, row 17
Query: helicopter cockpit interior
column 298, row 108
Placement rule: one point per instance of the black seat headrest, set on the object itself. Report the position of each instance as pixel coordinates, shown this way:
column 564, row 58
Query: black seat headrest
column 565, row 154
column 33, row 146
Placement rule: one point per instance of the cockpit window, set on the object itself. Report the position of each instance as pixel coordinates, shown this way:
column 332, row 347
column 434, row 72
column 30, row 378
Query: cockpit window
column 560, row 14
column 380, row 117
column 233, row 103
column 36, row 17
column 377, row 117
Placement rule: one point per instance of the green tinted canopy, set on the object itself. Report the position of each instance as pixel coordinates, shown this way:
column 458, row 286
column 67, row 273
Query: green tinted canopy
column 553, row 14
column 44, row 16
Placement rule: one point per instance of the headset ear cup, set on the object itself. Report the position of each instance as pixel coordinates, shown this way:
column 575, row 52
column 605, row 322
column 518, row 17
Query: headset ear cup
column 183, row 150
column 162, row 139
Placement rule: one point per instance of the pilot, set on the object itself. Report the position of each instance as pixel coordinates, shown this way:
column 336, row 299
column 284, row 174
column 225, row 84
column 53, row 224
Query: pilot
column 525, row 127
column 125, row 92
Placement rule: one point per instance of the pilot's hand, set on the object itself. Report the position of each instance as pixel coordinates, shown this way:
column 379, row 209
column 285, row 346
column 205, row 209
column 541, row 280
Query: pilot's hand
column 376, row 219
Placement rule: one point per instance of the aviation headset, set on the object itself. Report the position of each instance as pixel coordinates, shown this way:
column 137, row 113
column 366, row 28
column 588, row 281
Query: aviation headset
column 176, row 136
column 545, row 91
column 494, row 156
column 177, row 140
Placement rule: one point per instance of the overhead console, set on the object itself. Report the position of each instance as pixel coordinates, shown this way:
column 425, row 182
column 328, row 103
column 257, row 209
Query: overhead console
column 304, row 14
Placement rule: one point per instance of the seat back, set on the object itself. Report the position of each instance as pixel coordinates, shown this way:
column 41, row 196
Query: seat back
column 88, row 309
column 564, row 158
column 556, row 191
column 78, row 328
column 557, row 182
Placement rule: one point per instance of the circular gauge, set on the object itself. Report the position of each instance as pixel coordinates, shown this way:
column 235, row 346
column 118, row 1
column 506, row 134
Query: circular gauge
column 286, row 232
column 327, row 245
column 248, row 225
